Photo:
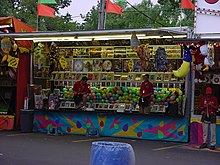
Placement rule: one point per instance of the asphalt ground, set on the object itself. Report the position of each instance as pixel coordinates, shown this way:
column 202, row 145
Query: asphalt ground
column 41, row 149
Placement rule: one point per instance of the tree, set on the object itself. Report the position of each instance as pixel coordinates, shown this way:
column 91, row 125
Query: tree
column 164, row 14
column 26, row 11
column 91, row 19
column 173, row 7
column 6, row 8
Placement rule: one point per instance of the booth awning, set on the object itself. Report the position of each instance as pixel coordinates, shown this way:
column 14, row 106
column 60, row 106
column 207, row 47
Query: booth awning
column 145, row 33
column 16, row 26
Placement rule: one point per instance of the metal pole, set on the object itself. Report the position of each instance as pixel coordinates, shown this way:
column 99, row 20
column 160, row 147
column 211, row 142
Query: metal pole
column 101, row 23
column 181, row 12
column 37, row 23
column 31, row 67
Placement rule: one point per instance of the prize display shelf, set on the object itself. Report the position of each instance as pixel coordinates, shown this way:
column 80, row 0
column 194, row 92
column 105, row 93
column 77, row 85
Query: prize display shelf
column 98, row 60
column 120, row 79
column 109, row 66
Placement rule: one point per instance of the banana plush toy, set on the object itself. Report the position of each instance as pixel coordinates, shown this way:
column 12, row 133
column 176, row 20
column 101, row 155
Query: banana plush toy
column 185, row 67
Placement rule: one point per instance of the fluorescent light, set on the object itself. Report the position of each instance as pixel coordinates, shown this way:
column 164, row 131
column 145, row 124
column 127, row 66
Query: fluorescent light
column 90, row 38
column 5, row 26
column 50, row 39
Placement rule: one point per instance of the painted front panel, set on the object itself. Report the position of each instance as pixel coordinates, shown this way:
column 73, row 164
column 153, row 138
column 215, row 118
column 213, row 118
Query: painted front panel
column 117, row 125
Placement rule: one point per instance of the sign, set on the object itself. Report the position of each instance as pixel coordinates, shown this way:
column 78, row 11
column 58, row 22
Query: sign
column 207, row 17
column 12, row 61
column 63, row 62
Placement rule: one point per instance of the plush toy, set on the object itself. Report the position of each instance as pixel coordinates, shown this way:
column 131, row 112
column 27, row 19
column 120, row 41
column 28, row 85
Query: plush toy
column 185, row 66
column 38, row 54
column 208, row 60
column 203, row 57
column 143, row 52
column 203, row 60
column 14, row 48
column 161, row 60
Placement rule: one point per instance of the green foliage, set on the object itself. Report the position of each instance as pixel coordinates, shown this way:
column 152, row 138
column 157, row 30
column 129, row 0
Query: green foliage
column 7, row 8
column 164, row 14
column 26, row 11
column 91, row 19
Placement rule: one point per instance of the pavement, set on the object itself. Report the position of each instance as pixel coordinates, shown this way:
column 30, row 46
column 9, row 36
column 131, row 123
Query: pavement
column 18, row 148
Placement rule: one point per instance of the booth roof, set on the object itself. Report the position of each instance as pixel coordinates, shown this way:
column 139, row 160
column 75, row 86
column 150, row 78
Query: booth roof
column 163, row 31
column 18, row 27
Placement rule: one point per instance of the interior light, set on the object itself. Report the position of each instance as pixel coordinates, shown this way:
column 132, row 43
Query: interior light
column 4, row 26
column 90, row 38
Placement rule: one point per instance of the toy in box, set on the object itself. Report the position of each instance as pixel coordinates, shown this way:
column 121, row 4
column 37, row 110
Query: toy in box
column 38, row 101
column 107, row 65
column 137, row 66
column 95, row 76
column 78, row 65
column 87, row 65
column 126, row 65
column 53, row 102
column 97, row 65
column 117, row 65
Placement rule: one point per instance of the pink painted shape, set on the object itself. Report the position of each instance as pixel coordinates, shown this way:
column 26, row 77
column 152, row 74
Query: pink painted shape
column 200, row 132
column 45, row 122
column 163, row 129
column 114, row 122
column 134, row 120
column 89, row 121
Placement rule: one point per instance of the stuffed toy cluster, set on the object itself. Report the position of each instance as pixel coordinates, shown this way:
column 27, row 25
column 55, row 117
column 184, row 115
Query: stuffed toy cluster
column 160, row 60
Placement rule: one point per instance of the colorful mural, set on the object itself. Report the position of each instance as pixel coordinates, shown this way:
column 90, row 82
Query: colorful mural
column 196, row 132
column 117, row 125
column 6, row 122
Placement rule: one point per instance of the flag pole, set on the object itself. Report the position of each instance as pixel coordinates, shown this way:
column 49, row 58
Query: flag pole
column 101, row 20
column 37, row 22
column 37, row 18
column 181, row 12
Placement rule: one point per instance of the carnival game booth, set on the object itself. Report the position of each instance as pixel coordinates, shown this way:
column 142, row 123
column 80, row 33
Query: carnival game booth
column 203, row 77
column 14, row 71
column 114, row 62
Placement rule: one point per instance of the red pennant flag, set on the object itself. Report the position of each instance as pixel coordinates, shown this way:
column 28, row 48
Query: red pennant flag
column 46, row 11
column 112, row 8
column 187, row 4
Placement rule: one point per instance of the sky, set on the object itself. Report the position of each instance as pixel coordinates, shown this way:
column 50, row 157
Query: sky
column 78, row 7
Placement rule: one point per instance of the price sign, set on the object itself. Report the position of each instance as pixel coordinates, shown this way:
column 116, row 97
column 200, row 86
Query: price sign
column 63, row 62
column 12, row 61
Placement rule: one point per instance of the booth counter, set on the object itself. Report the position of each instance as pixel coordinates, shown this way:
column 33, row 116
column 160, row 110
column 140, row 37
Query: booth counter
column 127, row 125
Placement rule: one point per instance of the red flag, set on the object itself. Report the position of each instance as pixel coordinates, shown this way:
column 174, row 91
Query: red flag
column 46, row 11
column 112, row 8
column 187, row 4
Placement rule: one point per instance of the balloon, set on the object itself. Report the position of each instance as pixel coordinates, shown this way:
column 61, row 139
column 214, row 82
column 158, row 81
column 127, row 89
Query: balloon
column 158, row 99
column 180, row 93
column 172, row 98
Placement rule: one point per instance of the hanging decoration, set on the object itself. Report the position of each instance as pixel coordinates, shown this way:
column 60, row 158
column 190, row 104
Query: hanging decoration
column 143, row 52
column 38, row 55
column 161, row 60
column 185, row 67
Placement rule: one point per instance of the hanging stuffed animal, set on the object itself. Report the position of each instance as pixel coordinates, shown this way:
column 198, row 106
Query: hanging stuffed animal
column 14, row 48
column 143, row 52
column 185, row 66
column 208, row 60
column 203, row 60
column 38, row 55
column 160, row 60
